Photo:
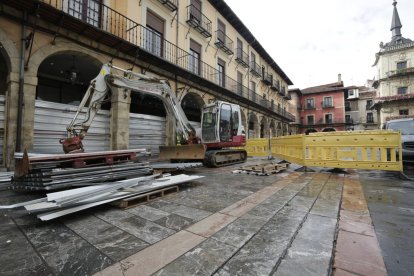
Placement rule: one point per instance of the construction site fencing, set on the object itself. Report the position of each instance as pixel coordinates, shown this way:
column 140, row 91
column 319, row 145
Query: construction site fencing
column 369, row 150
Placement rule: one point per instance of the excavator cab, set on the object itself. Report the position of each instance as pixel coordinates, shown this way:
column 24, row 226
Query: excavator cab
column 221, row 125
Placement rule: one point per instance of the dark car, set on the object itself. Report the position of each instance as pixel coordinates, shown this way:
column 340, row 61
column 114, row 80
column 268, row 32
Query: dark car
column 406, row 126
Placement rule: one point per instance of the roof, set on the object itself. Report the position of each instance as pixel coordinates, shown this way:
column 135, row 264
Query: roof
column 330, row 87
column 232, row 18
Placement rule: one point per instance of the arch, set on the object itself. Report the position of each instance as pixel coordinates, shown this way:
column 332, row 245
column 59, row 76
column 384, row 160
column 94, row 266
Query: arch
column 9, row 51
column 253, row 126
column 64, row 77
column 192, row 104
column 310, row 130
column 279, row 129
column 272, row 128
column 285, row 129
column 264, row 128
column 328, row 129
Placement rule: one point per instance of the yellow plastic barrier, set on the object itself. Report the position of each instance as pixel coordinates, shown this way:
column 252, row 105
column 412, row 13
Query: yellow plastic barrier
column 370, row 150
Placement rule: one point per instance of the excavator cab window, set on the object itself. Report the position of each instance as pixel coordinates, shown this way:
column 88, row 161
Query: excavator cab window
column 225, row 123
column 209, row 125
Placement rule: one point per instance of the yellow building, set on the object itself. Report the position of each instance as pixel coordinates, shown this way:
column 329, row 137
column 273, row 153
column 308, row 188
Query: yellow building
column 51, row 49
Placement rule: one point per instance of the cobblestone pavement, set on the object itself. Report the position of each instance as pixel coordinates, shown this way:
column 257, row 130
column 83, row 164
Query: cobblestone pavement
column 222, row 224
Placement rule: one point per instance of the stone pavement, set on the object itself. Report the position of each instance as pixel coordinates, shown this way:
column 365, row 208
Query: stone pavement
column 223, row 224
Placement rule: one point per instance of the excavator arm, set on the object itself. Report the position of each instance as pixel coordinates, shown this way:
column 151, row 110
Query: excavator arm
column 99, row 91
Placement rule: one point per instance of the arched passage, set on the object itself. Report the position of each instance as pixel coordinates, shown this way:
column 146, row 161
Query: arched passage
column 244, row 121
column 4, row 73
column 310, row 130
column 328, row 129
column 285, row 129
column 192, row 105
column 253, row 131
column 264, row 128
column 279, row 129
column 272, row 128
column 63, row 79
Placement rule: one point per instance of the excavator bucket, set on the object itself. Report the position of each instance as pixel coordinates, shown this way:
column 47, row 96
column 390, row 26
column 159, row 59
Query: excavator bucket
column 183, row 152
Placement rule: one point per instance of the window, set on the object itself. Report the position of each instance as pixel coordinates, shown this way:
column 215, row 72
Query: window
column 403, row 112
column 401, row 65
column 239, row 49
column 253, row 61
column 347, row 106
column 194, row 58
column 154, row 34
column 328, row 118
column 222, row 73
column 263, row 72
column 370, row 117
column 351, row 93
column 221, row 32
column 348, row 119
column 402, row 90
column 87, row 10
column 239, row 83
column 195, row 12
column 369, row 104
column 327, row 102
column 311, row 119
column 253, row 91
column 310, row 103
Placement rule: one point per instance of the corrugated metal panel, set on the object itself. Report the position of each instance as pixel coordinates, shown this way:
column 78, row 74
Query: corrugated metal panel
column 147, row 132
column 2, row 101
column 50, row 124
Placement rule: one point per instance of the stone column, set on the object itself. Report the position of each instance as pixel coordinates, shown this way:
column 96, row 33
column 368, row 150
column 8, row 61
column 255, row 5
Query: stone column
column 119, row 125
column 29, row 99
column 170, row 130
column 10, row 119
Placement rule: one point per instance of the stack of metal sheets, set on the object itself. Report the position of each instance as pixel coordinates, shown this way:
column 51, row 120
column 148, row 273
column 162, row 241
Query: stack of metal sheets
column 53, row 179
column 61, row 203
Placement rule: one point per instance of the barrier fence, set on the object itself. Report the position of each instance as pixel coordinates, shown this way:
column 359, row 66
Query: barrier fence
column 369, row 150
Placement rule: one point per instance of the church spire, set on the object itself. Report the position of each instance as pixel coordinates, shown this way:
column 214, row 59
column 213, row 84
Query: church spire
column 395, row 23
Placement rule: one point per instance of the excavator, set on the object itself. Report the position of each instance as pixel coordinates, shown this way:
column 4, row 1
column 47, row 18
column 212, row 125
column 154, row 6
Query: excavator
column 214, row 144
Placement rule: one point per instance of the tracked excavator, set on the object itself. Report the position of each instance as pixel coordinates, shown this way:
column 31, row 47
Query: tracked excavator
column 213, row 144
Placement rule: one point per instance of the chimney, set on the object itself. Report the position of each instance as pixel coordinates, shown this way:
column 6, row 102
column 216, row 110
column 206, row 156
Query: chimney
column 339, row 78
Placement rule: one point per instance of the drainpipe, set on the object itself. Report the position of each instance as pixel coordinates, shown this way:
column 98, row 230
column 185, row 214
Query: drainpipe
column 21, row 86
column 176, row 42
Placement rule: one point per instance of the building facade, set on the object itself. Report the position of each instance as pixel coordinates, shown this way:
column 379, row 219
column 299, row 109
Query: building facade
column 321, row 108
column 359, row 114
column 395, row 75
column 51, row 50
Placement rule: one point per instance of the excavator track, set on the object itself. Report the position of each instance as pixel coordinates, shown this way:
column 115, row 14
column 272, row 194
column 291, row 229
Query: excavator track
column 220, row 158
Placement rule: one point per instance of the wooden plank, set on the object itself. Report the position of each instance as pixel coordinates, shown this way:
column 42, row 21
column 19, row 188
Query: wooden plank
column 133, row 201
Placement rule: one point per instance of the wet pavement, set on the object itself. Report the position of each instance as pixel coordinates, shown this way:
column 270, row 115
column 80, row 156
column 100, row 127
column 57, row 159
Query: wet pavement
column 222, row 224
column 391, row 204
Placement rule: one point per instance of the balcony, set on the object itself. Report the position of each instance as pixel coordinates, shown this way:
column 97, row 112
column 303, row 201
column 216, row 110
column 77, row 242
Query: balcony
column 198, row 21
column 275, row 86
column 282, row 91
column 242, row 58
column 224, row 43
column 255, row 69
column 267, row 79
column 114, row 29
column 400, row 72
column 286, row 94
column 309, row 106
column 172, row 5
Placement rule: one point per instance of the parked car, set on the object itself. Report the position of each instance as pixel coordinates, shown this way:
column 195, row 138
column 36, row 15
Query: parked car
column 406, row 126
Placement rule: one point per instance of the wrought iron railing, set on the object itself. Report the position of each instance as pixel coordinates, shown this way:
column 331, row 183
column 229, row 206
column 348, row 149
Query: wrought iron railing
column 267, row 78
column 170, row 4
column 224, row 42
column 197, row 20
column 114, row 23
column 242, row 57
column 255, row 68
column 400, row 72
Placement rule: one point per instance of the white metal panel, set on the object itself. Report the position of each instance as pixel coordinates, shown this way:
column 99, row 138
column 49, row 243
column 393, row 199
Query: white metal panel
column 50, row 124
column 146, row 131
column 2, row 126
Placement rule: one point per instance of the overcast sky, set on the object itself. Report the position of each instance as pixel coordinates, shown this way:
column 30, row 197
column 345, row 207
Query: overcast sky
column 313, row 41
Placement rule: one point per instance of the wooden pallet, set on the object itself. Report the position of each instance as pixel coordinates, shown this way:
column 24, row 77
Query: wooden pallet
column 133, row 201
column 263, row 169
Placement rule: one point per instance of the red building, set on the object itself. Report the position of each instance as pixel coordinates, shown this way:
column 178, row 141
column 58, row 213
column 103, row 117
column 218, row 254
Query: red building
column 321, row 108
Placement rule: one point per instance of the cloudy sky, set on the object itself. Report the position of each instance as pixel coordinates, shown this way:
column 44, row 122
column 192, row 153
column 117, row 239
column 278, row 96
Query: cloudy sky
column 314, row 41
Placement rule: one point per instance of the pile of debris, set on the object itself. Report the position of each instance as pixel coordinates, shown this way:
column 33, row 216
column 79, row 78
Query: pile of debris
column 263, row 169
column 94, row 179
